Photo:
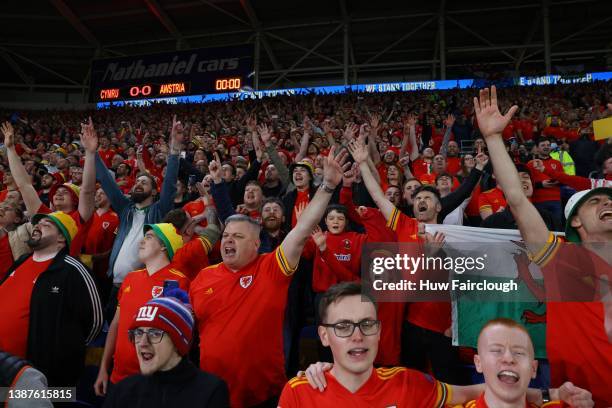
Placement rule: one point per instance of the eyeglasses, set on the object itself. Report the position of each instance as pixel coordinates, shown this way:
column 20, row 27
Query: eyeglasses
column 154, row 336
column 346, row 329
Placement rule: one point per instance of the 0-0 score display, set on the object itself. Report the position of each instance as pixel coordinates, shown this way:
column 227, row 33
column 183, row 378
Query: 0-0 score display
column 151, row 90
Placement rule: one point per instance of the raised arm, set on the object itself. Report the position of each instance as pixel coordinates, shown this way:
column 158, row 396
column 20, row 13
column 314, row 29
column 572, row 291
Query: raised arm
column 360, row 155
column 449, row 122
column 89, row 140
column 220, row 192
column 492, row 123
column 168, row 188
column 294, row 242
column 20, row 175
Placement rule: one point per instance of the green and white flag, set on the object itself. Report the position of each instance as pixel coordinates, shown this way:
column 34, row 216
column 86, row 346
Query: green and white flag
column 500, row 246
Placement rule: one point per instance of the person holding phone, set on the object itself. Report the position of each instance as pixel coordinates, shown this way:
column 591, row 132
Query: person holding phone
column 155, row 251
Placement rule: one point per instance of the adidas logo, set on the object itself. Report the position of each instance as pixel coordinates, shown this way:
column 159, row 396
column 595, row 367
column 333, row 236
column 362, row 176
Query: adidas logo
column 54, row 289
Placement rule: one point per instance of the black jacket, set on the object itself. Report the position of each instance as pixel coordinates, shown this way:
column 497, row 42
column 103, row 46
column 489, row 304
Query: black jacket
column 65, row 315
column 183, row 386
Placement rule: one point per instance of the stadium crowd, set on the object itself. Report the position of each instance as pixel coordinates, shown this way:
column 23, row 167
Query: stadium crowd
column 232, row 226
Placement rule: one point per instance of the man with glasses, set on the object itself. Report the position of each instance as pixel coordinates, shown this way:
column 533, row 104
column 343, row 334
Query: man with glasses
column 352, row 330
column 161, row 332
column 156, row 250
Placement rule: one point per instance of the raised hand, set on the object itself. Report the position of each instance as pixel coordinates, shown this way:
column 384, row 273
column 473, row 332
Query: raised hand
column 350, row 131
column 481, row 160
column 319, row 238
column 358, row 151
column 89, row 138
column 404, row 160
column 264, row 133
column 349, row 176
column 176, row 134
column 9, row 135
column 251, row 123
column 490, row 120
column 364, row 131
column 214, row 168
column 450, row 120
column 375, row 121
column 333, row 167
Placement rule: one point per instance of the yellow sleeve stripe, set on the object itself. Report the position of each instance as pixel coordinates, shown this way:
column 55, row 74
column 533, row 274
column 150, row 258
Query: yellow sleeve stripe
column 283, row 263
column 548, row 251
column 484, row 207
column 295, row 384
column 385, row 374
column 552, row 404
column 444, row 394
column 177, row 273
column 294, row 379
column 206, row 244
column 392, row 222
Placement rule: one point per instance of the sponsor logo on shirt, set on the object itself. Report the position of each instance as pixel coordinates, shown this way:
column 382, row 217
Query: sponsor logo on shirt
column 343, row 257
column 246, row 281
column 157, row 291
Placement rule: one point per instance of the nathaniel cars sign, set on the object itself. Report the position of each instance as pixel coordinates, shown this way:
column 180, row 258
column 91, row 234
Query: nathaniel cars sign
column 197, row 71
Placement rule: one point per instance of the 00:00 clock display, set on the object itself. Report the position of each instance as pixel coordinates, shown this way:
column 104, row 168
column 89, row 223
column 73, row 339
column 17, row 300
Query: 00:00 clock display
column 230, row 83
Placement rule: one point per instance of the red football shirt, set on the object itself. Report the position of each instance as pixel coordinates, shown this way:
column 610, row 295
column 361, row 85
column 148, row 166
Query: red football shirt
column 240, row 319
column 386, row 387
column 302, row 197
column 492, row 199
column 192, row 257
column 15, row 295
column 420, row 167
column 545, row 194
column 100, row 238
column 343, row 254
column 453, row 165
column 433, row 316
column 6, row 255
column 576, row 342
column 137, row 288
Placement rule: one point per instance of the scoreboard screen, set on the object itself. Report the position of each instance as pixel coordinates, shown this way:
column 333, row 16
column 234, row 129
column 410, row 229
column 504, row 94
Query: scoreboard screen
column 199, row 71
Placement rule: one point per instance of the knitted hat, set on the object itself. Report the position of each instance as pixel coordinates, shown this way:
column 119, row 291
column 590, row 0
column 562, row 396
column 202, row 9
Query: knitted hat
column 171, row 315
column 571, row 208
column 73, row 190
column 167, row 235
column 64, row 222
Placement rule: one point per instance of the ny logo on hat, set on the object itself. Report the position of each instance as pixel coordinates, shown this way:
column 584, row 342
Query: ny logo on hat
column 146, row 314
column 246, row 281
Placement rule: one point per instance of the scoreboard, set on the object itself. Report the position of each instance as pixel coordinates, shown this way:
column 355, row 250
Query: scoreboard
column 198, row 71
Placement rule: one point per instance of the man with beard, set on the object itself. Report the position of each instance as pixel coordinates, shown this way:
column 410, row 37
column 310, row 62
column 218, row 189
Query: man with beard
column 100, row 238
column 47, row 181
column 427, row 323
column 241, row 301
column 134, row 212
column 49, row 306
column 577, row 333
column 68, row 198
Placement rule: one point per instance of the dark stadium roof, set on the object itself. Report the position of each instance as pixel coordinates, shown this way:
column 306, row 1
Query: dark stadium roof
column 51, row 43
